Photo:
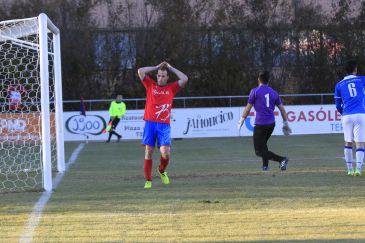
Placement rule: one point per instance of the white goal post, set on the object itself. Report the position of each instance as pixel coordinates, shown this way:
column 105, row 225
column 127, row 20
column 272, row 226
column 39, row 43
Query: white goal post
column 31, row 118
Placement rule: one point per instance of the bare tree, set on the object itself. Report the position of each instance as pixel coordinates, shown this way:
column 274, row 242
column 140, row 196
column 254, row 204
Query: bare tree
column 220, row 44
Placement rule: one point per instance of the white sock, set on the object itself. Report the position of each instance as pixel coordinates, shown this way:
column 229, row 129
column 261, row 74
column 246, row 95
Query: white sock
column 359, row 158
column 348, row 156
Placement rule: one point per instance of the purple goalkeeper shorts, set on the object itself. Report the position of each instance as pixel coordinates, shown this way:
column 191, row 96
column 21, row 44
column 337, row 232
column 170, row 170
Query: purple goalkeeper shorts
column 156, row 132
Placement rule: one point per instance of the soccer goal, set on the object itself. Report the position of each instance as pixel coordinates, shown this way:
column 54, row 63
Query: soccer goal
column 31, row 124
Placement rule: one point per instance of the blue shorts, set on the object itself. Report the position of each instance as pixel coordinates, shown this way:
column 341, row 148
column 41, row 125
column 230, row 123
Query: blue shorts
column 156, row 132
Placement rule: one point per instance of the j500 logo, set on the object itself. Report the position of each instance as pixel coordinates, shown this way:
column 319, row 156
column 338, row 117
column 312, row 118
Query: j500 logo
column 80, row 124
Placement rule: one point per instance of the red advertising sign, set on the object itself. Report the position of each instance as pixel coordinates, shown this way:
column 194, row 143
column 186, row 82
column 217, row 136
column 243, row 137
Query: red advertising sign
column 22, row 126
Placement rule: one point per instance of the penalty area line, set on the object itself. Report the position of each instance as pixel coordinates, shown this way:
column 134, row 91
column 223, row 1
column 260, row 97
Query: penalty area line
column 36, row 214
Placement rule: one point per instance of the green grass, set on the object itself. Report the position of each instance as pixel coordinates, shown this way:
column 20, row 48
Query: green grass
column 218, row 193
column 21, row 166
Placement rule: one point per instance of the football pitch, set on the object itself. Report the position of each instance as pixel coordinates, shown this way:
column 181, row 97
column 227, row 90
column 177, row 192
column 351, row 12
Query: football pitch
column 218, row 193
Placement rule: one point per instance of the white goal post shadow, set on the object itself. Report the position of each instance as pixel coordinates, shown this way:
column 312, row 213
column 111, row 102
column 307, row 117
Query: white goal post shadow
column 42, row 26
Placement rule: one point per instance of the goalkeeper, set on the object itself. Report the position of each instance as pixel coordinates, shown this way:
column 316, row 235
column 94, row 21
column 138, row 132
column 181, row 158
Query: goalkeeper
column 116, row 112
column 264, row 99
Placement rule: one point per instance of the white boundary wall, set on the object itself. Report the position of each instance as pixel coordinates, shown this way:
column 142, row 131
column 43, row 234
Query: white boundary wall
column 204, row 122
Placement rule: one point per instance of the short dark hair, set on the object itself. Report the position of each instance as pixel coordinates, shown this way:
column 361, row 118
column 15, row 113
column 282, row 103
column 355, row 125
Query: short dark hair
column 350, row 66
column 264, row 77
column 164, row 68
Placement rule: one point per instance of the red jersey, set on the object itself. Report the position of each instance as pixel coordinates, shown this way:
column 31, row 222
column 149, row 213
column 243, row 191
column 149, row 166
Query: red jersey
column 159, row 100
column 15, row 93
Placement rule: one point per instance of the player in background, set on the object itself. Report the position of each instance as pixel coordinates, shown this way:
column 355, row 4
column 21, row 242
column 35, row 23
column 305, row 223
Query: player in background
column 116, row 111
column 264, row 99
column 349, row 98
column 157, row 114
column 15, row 94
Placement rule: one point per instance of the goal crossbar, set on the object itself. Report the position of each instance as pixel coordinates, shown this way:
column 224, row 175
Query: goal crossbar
column 25, row 28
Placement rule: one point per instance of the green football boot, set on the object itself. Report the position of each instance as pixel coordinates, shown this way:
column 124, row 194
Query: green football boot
column 350, row 172
column 164, row 177
column 357, row 172
column 148, row 185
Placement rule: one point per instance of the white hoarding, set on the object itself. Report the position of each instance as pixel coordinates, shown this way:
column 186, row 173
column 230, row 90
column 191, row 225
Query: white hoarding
column 78, row 127
column 204, row 122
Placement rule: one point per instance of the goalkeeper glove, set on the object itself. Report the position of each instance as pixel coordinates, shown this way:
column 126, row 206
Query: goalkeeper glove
column 286, row 128
column 240, row 123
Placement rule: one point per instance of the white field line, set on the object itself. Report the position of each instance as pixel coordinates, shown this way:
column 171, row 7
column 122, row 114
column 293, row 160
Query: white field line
column 39, row 206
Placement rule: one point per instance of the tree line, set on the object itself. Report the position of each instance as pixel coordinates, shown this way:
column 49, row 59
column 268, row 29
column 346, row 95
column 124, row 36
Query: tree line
column 221, row 45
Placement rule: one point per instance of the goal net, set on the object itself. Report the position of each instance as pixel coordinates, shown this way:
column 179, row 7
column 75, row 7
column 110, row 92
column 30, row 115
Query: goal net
column 31, row 131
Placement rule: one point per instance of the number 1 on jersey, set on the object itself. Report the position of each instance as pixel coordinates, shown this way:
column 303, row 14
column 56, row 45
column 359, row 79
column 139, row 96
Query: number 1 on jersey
column 267, row 97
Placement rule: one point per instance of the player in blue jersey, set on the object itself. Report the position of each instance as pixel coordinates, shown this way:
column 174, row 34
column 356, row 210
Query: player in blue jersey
column 264, row 99
column 349, row 98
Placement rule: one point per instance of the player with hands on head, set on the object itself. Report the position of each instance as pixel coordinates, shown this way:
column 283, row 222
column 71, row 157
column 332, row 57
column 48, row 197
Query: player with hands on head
column 264, row 99
column 157, row 114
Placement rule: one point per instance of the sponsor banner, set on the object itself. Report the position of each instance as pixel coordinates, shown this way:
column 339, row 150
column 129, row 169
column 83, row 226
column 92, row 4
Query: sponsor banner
column 78, row 127
column 22, row 126
column 310, row 119
column 204, row 122
column 90, row 126
column 313, row 119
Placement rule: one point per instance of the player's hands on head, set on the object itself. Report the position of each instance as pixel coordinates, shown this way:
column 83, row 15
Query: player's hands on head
column 168, row 65
column 286, row 129
column 240, row 123
column 161, row 65
column 164, row 64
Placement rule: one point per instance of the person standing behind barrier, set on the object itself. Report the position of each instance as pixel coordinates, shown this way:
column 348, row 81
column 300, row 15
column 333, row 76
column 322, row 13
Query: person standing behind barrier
column 264, row 99
column 349, row 99
column 116, row 111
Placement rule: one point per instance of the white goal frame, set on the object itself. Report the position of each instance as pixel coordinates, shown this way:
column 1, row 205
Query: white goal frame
column 45, row 26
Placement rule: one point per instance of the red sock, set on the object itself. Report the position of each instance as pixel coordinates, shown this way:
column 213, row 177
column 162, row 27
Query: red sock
column 163, row 164
column 148, row 169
